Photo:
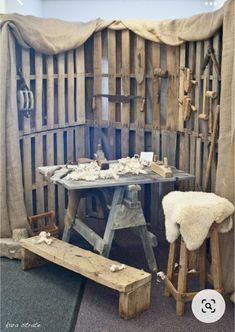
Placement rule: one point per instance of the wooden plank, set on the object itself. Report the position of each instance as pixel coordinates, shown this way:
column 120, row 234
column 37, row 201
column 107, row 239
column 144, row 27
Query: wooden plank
column 80, row 142
column 26, row 75
column 27, row 172
column 140, row 90
column 70, row 145
column 203, row 123
column 125, row 113
column 155, row 57
column 97, row 64
column 168, row 146
column 198, row 167
column 70, row 87
column 112, row 91
column 181, row 88
column 198, row 87
column 172, row 90
column 192, row 153
column 80, row 87
column 61, row 90
column 50, row 91
column 90, row 265
column 202, row 266
column 39, row 177
column 50, row 161
column 215, row 87
column 191, row 65
column 38, row 91
column 125, row 116
column 61, row 191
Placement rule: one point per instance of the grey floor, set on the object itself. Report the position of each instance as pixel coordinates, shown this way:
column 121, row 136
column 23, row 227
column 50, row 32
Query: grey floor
column 99, row 308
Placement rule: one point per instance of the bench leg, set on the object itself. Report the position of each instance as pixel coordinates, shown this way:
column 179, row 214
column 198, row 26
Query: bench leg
column 134, row 302
column 30, row 260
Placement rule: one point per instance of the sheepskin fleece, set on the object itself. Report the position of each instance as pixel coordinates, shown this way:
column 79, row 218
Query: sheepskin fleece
column 192, row 213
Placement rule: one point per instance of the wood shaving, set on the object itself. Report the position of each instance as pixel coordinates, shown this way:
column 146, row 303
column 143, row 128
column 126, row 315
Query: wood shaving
column 92, row 171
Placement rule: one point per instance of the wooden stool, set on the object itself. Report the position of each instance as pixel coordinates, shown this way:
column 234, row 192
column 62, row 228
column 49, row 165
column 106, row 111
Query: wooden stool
column 180, row 293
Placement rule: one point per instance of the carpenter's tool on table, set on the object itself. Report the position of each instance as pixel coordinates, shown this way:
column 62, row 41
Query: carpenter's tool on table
column 162, row 168
column 212, row 147
column 210, row 56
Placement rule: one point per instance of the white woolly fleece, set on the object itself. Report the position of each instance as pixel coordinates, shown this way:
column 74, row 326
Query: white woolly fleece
column 192, row 213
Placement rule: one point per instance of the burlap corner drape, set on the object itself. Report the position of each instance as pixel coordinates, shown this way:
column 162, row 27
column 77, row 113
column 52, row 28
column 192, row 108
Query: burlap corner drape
column 51, row 36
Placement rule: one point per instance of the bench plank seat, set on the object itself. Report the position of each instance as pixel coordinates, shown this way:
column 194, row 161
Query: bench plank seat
column 133, row 284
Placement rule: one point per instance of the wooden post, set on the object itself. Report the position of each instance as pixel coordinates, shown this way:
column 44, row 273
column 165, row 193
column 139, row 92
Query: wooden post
column 171, row 265
column 182, row 278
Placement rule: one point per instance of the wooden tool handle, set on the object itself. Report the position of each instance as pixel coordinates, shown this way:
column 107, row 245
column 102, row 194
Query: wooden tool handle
column 212, row 148
column 211, row 94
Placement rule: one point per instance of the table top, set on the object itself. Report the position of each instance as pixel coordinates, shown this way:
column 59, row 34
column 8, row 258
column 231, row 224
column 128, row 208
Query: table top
column 123, row 180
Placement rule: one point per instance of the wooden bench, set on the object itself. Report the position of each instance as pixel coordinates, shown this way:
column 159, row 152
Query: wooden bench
column 132, row 284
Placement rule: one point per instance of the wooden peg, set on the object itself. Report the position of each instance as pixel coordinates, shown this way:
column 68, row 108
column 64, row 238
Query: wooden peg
column 142, row 105
column 203, row 115
column 211, row 94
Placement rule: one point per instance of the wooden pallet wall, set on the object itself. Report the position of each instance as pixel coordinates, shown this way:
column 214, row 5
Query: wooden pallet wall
column 69, row 121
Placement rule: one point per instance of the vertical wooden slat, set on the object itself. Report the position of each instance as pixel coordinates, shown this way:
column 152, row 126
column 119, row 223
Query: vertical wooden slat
column 97, row 87
column 80, row 92
column 80, row 141
column 198, row 87
column 112, row 91
column 155, row 86
column 27, row 171
column 181, row 88
column 50, row 161
column 39, row 177
column 191, row 65
column 61, row 191
column 203, row 123
column 26, row 74
column 215, row 87
column 38, row 92
column 70, row 148
column 198, row 167
column 61, row 90
column 125, row 115
column 70, row 91
column 97, row 64
column 172, row 91
column 50, row 91
column 140, row 90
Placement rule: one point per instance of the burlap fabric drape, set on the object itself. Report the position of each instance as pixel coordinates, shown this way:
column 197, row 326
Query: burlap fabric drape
column 52, row 36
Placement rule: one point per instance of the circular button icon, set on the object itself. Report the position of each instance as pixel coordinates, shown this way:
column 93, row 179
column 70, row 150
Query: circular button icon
column 208, row 306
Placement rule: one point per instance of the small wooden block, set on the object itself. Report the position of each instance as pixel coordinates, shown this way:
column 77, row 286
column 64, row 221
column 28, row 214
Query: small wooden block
column 165, row 172
column 134, row 302
column 30, row 260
